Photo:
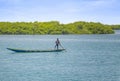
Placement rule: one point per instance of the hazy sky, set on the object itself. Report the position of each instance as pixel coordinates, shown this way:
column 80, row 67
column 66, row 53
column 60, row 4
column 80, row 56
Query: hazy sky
column 65, row 11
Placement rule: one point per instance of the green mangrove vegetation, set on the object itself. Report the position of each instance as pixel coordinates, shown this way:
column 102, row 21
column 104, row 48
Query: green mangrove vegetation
column 115, row 27
column 54, row 27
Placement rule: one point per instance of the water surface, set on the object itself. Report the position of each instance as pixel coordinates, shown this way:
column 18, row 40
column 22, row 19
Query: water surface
column 87, row 58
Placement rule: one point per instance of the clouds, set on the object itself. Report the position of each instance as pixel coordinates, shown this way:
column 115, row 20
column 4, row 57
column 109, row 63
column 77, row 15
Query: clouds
column 61, row 10
column 101, row 3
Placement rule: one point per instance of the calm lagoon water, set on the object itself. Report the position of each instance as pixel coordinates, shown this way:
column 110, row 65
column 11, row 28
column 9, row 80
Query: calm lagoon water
column 87, row 58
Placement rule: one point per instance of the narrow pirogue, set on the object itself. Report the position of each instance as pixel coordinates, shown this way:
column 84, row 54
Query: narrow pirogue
column 24, row 50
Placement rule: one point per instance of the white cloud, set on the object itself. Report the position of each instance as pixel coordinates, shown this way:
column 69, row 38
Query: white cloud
column 101, row 3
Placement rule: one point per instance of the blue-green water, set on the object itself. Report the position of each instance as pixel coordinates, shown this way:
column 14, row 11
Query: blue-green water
column 88, row 58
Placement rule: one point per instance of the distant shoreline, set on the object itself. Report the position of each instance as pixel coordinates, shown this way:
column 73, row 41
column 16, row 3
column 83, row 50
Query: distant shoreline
column 55, row 28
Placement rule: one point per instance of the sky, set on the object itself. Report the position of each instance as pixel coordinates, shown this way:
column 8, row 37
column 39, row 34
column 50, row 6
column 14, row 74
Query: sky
column 64, row 11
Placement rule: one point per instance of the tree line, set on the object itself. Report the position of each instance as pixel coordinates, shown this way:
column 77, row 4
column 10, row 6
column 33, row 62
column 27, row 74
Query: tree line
column 115, row 27
column 54, row 27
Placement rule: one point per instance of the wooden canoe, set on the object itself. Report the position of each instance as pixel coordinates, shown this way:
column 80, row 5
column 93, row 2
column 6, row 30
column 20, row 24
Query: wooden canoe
column 24, row 50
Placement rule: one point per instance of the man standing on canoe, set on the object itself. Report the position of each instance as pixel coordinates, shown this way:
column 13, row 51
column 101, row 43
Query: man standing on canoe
column 57, row 44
